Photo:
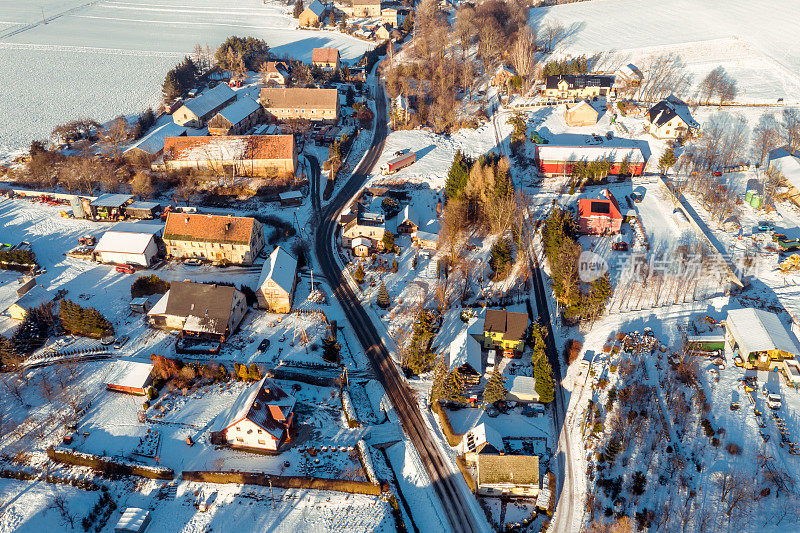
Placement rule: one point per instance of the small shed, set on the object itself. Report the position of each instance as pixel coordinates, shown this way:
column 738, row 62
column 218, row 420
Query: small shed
column 291, row 198
column 361, row 246
column 132, row 377
column 522, row 389
column 133, row 520
column 140, row 305
column 427, row 240
column 580, row 114
column 110, row 205
column 143, row 210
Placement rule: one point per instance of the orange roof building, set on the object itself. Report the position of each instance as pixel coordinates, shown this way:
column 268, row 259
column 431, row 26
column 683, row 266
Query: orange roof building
column 327, row 58
column 213, row 237
column 233, row 155
column 297, row 102
column 599, row 216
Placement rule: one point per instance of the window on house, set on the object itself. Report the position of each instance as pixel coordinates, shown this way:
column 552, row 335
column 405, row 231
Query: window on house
column 261, row 441
column 259, row 432
column 238, row 428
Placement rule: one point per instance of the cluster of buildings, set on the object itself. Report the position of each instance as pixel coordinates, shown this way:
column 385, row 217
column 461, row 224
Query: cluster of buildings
column 382, row 18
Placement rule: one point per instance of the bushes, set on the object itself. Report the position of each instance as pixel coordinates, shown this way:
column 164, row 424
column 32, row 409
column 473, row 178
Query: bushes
column 709, row 431
column 453, row 439
column 247, row 373
column 19, row 257
column 147, row 285
column 733, row 449
column 573, row 350
column 462, row 465
column 285, row 482
column 108, row 466
column 84, row 321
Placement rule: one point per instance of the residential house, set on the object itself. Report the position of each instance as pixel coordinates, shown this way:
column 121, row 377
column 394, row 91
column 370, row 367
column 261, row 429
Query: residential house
column 521, row 389
column 262, row 418
column 580, row 114
column 629, row 73
column 502, row 76
column 277, row 282
column 599, row 216
column 325, row 58
column 363, row 9
column 262, row 156
column 481, row 440
column 554, row 160
column 578, row 86
column 296, row 102
column 505, row 330
column 132, row 377
column 363, row 246
column 786, row 165
column 759, row 337
column 409, row 222
column 670, row 119
column 508, row 475
column 465, row 354
column 33, row 298
column 394, row 16
column 199, row 310
column 382, row 32
column 369, row 225
column 213, row 237
column 236, row 119
column 197, row 111
column 316, row 14
column 129, row 244
column 277, row 72
column 149, row 147
column 426, row 240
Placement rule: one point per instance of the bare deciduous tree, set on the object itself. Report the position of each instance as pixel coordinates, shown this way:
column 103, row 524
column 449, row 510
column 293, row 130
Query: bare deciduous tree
column 522, row 56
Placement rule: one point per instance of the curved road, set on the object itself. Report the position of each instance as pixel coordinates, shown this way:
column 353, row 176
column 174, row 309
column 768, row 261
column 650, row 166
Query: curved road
column 450, row 490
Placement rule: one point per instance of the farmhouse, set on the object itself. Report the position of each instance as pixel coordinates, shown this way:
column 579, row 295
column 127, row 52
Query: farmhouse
column 237, row 118
column 670, row 119
column 277, row 72
column 34, row 297
column 584, row 86
column 199, row 310
column 213, row 237
column 129, row 244
column 262, row 418
column 558, row 160
column 314, row 15
column 311, row 104
column 149, row 147
column 235, row 155
column 599, row 216
column 277, row 282
column 363, row 8
column 580, row 114
column 325, row 58
column 505, row 330
column 508, row 475
column 502, row 76
column 132, row 377
column 195, row 112
column 758, row 337
column 367, row 225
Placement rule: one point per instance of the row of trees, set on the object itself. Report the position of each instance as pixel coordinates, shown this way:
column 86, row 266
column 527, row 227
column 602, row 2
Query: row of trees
column 84, row 321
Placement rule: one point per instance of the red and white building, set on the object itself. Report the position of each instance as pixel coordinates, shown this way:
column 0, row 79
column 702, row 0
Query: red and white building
column 599, row 216
column 558, row 160
column 261, row 419
column 132, row 377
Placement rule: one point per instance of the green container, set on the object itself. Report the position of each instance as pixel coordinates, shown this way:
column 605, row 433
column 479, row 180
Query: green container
column 748, row 196
column 755, row 202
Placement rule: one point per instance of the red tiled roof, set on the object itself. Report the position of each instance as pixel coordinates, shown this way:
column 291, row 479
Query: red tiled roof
column 325, row 55
column 209, row 228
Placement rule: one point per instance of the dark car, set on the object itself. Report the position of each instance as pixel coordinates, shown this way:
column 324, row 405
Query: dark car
column 263, row 346
column 620, row 246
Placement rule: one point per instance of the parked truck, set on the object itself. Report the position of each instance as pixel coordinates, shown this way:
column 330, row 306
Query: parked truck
column 398, row 162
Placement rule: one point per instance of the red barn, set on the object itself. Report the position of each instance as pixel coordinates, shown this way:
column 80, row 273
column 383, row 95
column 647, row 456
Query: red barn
column 599, row 216
column 558, row 160
column 129, row 376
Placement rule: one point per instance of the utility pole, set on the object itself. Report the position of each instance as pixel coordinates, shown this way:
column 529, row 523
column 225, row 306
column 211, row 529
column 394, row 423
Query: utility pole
column 44, row 20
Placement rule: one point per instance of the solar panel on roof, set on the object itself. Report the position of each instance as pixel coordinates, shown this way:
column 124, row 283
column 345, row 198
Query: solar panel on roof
column 601, row 207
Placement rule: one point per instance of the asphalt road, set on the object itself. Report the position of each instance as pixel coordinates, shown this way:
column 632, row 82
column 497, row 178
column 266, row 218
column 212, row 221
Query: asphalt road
column 449, row 490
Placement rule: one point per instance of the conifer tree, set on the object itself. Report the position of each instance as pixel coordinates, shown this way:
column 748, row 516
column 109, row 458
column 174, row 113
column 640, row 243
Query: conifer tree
column 253, row 372
column 495, row 389
column 330, row 349
column 439, row 377
column 543, row 373
column 358, row 275
column 298, row 8
column 453, row 390
column 457, row 176
column 383, row 299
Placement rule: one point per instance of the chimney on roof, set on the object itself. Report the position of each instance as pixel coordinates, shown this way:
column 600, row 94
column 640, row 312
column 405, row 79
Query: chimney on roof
column 227, row 226
column 186, row 219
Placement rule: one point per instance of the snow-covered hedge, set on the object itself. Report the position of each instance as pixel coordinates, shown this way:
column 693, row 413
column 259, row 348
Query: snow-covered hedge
column 366, row 460
column 285, row 482
column 349, row 412
column 107, row 465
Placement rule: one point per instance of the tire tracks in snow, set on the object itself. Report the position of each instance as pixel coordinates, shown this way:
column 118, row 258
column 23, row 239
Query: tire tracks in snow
column 47, row 20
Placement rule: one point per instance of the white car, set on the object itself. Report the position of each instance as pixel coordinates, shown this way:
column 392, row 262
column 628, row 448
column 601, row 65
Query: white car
column 774, row 401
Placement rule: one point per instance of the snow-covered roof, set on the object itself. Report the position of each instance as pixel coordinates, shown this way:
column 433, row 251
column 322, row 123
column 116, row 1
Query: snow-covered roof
column 483, row 435
column 290, row 195
column 409, row 215
column 127, row 373
column 317, row 7
column 153, row 142
column 35, row 297
column 281, row 267
column 361, row 241
column 549, row 152
column 161, row 305
column 240, row 109
column 756, row 330
column 133, row 520
column 211, row 99
column 258, row 405
column 787, row 164
column 426, row 236
column 466, row 350
column 123, row 242
column 111, row 200
column 521, row 385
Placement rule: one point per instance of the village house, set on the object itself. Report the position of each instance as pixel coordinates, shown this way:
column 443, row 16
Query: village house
column 508, row 475
column 262, row 156
column 315, row 15
column 363, row 9
column 786, row 165
column 408, row 221
column 311, row 104
column 382, row 32
column 505, row 330
column 481, row 440
column 148, row 148
column 277, row 282
column 131, row 377
column 465, row 354
column 277, row 72
column 369, row 225
column 555, row 160
column 577, row 87
column 580, row 114
column 629, row 74
column 129, row 244
column 197, row 111
column 502, row 76
column 237, row 240
column 670, row 119
column 237, row 118
column 31, row 299
column 204, row 311
column 262, row 418
column 325, row 58
column 599, row 216
column 426, row 240
column 394, row 16
column 758, row 338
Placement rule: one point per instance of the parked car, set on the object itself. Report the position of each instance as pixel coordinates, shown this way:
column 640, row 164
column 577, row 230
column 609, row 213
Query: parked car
column 126, row 269
column 765, row 225
column 774, row 401
column 620, row 246
column 637, row 197
column 263, row 346
column 192, row 262
column 107, row 341
column 120, row 342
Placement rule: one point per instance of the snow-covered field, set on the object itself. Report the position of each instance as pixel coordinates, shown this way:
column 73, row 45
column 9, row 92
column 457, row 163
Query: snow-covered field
column 106, row 58
column 754, row 42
